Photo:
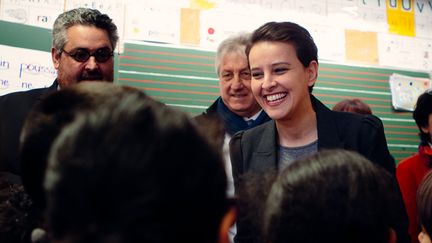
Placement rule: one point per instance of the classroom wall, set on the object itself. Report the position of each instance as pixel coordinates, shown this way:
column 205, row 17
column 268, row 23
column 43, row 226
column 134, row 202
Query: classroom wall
column 387, row 33
column 185, row 78
column 167, row 48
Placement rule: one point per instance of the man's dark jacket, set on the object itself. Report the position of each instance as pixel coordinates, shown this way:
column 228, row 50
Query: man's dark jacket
column 232, row 122
column 14, row 108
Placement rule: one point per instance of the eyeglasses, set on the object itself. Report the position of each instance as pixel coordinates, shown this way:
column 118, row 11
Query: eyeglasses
column 82, row 55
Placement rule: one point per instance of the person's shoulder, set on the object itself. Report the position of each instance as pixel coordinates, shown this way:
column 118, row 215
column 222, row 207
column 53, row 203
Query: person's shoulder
column 207, row 114
column 408, row 162
column 410, row 167
column 357, row 119
column 21, row 101
column 21, row 94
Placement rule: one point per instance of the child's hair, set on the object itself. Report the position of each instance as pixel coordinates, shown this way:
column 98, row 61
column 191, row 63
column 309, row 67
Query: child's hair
column 424, row 204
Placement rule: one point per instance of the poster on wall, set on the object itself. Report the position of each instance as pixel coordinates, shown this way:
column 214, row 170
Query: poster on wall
column 36, row 13
column 113, row 8
column 24, row 69
column 405, row 90
column 400, row 17
column 141, row 25
column 404, row 52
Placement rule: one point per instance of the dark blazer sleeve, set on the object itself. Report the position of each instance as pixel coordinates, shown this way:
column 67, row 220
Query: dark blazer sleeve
column 373, row 144
column 13, row 111
column 14, row 108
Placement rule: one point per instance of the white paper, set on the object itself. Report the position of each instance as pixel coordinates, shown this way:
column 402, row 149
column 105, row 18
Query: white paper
column 405, row 91
column 145, row 22
column 24, row 69
column 36, row 13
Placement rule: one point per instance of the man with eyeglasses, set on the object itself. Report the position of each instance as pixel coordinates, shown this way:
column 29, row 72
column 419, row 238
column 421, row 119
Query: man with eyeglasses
column 82, row 49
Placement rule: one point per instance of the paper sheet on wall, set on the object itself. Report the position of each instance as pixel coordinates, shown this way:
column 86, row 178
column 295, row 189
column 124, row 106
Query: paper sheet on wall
column 202, row 4
column 423, row 19
column 405, row 91
column 216, row 26
column 24, row 69
column 113, row 8
column 328, row 48
column 358, row 15
column 400, row 17
column 140, row 24
column 36, row 13
column 189, row 26
column 405, row 52
column 361, row 46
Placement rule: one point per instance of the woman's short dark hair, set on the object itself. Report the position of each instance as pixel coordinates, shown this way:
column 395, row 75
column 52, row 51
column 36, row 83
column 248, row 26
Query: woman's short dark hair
column 423, row 109
column 290, row 33
column 332, row 196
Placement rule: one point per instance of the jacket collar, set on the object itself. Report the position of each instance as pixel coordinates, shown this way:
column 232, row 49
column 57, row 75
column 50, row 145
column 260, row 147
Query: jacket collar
column 328, row 136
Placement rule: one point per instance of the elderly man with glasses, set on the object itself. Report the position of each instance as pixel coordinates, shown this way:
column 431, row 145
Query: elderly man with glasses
column 82, row 49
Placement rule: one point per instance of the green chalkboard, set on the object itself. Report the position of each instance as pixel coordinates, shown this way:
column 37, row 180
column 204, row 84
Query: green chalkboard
column 25, row 36
column 186, row 78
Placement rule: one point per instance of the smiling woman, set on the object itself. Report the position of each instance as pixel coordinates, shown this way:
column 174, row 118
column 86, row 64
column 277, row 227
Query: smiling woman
column 284, row 68
column 281, row 84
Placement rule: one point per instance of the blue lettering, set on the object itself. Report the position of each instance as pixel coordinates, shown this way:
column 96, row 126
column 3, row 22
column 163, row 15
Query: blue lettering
column 36, row 69
column 26, row 85
column 406, row 2
column 4, row 83
column 40, row 1
column 42, row 18
column 4, row 64
column 420, row 7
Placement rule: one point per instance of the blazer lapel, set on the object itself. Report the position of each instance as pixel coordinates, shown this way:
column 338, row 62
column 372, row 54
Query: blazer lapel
column 265, row 155
column 328, row 136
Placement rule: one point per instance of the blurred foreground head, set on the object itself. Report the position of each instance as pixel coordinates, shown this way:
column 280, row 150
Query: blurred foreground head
column 47, row 119
column 134, row 171
column 333, row 196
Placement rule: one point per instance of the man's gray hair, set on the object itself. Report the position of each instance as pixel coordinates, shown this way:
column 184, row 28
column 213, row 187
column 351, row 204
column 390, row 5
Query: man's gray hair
column 82, row 16
column 236, row 43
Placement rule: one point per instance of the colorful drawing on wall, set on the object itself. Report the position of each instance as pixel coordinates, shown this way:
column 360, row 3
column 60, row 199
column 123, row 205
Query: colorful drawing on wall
column 202, row 4
column 400, row 17
column 405, row 91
